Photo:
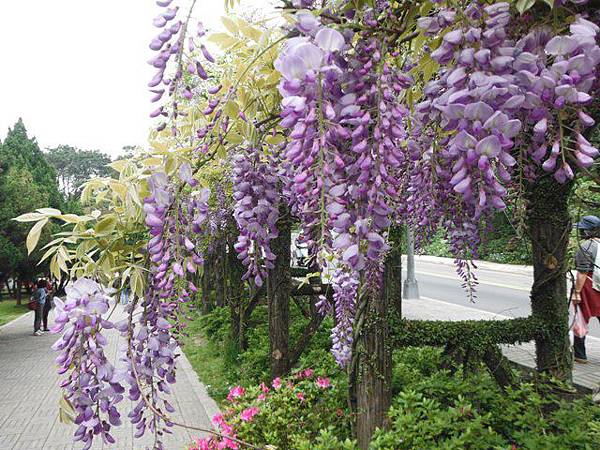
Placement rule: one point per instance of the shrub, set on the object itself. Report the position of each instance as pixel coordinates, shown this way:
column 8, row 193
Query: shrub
column 288, row 414
column 432, row 408
column 437, row 410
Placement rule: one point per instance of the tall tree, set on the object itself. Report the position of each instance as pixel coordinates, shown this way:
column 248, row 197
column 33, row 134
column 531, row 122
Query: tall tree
column 76, row 166
column 20, row 151
column 27, row 182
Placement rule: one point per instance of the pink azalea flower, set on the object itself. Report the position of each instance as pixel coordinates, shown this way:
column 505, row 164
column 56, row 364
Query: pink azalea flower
column 323, row 383
column 277, row 383
column 264, row 387
column 226, row 428
column 262, row 397
column 204, row 444
column 248, row 414
column 218, row 419
column 228, row 443
column 236, row 392
column 300, row 396
column 201, row 444
column 308, row 373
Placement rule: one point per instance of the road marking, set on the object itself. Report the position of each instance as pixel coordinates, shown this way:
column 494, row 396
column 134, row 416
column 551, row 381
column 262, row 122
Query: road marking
column 488, row 283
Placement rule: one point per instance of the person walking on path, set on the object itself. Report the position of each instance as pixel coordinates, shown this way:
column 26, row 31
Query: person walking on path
column 39, row 295
column 48, row 304
column 586, row 292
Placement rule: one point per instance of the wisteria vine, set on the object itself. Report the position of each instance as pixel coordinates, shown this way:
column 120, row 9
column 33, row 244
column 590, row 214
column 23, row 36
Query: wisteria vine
column 369, row 144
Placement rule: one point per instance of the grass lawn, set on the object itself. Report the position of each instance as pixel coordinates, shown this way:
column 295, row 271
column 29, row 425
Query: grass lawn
column 9, row 309
column 207, row 360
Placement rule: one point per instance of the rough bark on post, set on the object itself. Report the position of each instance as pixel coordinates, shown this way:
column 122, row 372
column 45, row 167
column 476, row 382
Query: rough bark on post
column 549, row 227
column 278, row 295
column 235, row 294
column 220, row 274
column 372, row 377
column 206, row 285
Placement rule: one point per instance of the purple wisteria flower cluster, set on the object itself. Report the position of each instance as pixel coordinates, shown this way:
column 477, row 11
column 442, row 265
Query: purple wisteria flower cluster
column 256, row 192
column 494, row 96
column 180, row 81
column 92, row 387
column 340, row 102
column 345, row 291
column 174, row 222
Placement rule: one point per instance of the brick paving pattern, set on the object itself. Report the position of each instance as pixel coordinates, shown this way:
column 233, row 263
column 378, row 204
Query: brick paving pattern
column 29, row 396
column 585, row 376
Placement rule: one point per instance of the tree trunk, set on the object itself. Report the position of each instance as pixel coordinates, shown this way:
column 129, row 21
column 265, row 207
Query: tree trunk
column 549, row 227
column 18, row 292
column 220, row 277
column 278, row 294
column 372, row 383
column 206, row 276
column 235, row 294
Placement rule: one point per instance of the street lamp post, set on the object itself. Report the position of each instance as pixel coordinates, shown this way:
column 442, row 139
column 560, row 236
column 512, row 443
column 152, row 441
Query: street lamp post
column 411, row 287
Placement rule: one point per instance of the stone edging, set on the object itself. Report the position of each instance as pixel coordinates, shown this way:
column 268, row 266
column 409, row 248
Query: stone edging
column 210, row 406
column 28, row 313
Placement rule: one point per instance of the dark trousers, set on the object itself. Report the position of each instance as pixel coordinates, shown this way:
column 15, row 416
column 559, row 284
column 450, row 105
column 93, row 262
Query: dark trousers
column 579, row 346
column 37, row 322
column 46, row 311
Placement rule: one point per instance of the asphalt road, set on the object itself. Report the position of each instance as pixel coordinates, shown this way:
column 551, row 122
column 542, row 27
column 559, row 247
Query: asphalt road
column 498, row 292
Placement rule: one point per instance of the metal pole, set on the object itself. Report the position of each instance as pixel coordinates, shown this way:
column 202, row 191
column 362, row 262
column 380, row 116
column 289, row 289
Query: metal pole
column 411, row 287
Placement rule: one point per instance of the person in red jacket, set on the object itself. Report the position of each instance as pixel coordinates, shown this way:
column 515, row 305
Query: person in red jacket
column 584, row 295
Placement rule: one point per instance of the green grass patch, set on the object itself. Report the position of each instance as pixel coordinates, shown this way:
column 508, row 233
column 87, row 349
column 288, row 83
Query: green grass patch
column 207, row 358
column 9, row 310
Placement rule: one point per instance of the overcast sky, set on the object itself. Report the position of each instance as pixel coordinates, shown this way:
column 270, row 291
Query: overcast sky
column 76, row 71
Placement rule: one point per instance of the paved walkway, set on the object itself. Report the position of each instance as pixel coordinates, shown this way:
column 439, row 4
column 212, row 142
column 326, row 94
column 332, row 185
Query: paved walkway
column 585, row 376
column 29, row 396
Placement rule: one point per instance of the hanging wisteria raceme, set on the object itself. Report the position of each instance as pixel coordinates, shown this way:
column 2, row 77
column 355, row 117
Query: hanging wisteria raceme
column 218, row 219
column 493, row 90
column 174, row 221
column 92, row 387
column 345, row 291
column 181, row 61
column 256, row 191
column 373, row 175
column 345, row 148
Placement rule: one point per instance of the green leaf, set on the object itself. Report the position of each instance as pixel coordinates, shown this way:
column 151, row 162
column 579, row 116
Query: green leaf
column 524, row 5
column 137, row 283
column 550, row 3
column 425, row 8
column 29, row 217
column 72, row 218
column 33, row 236
column 106, row 225
column 223, row 40
column 54, row 269
column 232, row 109
column 49, row 211
column 66, row 412
column 274, row 140
column 229, row 24
column 49, row 252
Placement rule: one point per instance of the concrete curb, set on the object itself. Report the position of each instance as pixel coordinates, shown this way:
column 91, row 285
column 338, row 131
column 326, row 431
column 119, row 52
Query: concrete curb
column 28, row 313
column 483, row 265
column 210, row 406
